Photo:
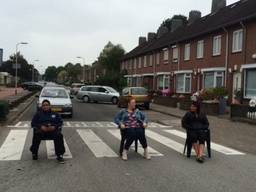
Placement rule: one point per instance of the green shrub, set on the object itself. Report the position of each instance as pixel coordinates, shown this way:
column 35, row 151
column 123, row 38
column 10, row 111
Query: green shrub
column 4, row 109
column 214, row 93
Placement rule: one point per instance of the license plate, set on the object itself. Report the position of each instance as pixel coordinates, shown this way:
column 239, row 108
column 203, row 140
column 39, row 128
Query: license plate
column 56, row 109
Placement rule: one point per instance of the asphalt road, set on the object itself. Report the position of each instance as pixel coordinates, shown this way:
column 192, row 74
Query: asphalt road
column 86, row 172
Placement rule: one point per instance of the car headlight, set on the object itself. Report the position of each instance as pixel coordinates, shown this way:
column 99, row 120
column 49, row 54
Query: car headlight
column 68, row 105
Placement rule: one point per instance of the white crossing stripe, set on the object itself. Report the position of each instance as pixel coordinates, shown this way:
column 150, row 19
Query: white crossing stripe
column 214, row 146
column 152, row 152
column 165, row 141
column 95, row 144
column 51, row 151
column 13, row 145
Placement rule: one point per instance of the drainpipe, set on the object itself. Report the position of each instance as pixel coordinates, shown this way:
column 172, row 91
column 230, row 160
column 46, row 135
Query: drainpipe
column 154, row 69
column 226, row 55
column 244, row 52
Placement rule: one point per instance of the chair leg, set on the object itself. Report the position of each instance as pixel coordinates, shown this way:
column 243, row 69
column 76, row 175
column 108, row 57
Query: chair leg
column 185, row 147
column 136, row 145
column 189, row 149
column 121, row 146
column 209, row 148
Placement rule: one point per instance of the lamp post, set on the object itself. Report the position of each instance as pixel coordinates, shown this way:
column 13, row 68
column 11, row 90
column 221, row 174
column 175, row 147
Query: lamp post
column 79, row 57
column 16, row 66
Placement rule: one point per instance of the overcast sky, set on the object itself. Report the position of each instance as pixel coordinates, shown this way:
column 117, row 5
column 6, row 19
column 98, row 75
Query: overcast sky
column 60, row 30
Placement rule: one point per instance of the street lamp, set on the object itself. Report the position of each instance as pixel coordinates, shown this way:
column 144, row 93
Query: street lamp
column 16, row 66
column 33, row 69
column 79, row 57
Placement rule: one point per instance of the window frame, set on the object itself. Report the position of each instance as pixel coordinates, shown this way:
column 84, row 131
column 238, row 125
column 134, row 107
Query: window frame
column 215, row 75
column 187, row 49
column 216, row 45
column 234, row 43
column 185, row 76
column 200, row 45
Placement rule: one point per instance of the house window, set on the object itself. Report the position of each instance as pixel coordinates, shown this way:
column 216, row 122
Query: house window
column 237, row 41
column 200, row 49
column 163, row 82
column 250, row 85
column 166, row 55
column 183, row 83
column 145, row 61
column 175, row 54
column 187, row 52
column 150, row 60
column 158, row 58
column 213, row 79
column 140, row 62
column 216, row 50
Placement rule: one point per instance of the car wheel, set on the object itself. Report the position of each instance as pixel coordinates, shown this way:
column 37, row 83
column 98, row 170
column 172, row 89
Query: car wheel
column 86, row 99
column 114, row 100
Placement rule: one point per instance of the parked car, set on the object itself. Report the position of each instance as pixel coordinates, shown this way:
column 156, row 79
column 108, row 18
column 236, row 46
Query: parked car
column 139, row 93
column 59, row 99
column 32, row 86
column 98, row 94
column 75, row 88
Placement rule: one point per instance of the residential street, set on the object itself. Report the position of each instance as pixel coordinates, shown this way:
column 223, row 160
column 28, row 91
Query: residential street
column 89, row 168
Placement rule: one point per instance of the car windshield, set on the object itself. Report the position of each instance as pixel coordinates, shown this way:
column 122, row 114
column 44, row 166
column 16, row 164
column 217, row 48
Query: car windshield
column 139, row 91
column 54, row 93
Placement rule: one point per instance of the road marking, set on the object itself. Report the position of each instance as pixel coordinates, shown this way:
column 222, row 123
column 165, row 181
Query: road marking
column 152, row 152
column 13, row 145
column 214, row 146
column 95, row 144
column 51, row 151
column 165, row 141
column 85, row 124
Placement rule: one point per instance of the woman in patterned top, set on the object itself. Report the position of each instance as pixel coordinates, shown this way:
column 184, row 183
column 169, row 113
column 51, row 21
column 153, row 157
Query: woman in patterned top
column 134, row 123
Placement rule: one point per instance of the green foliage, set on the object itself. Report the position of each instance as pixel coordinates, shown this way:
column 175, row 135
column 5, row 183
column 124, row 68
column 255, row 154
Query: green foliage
column 214, row 93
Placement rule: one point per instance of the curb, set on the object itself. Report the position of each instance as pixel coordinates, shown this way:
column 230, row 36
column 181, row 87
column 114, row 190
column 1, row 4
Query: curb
column 166, row 113
column 30, row 99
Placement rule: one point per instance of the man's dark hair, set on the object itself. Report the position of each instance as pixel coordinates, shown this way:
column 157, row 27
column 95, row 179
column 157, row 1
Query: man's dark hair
column 46, row 101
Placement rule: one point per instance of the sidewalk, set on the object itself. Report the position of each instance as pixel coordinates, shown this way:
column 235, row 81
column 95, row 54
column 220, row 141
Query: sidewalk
column 7, row 92
column 237, row 135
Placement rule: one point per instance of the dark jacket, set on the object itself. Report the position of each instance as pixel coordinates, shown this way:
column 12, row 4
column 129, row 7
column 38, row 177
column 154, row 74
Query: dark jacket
column 45, row 118
column 191, row 121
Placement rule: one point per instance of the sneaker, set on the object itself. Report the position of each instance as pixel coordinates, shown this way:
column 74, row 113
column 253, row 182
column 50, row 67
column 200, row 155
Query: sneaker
column 60, row 159
column 34, row 156
column 124, row 155
column 146, row 154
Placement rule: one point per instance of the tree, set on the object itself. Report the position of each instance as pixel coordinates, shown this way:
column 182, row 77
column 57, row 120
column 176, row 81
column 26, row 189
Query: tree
column 110, row 57
column 62, row 76
column 24, row 71
column 51, row 74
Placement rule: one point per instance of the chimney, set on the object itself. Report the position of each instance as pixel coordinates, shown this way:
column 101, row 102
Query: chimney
column 218, row 4
column 161, row 31
column 193, row 16
column 151, row 36
column 142, row 40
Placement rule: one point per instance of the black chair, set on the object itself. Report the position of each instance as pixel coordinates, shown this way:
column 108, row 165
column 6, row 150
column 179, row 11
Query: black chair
column 188, row 144
column 123, row 138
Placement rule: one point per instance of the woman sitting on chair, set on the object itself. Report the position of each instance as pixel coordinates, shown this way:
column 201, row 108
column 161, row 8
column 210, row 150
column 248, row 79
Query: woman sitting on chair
column 196, row 124
column 132, row 123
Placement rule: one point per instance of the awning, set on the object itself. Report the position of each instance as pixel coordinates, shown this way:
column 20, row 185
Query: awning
column 183, row 71
column 213, row 69
column 163, row 73
column 248, row 66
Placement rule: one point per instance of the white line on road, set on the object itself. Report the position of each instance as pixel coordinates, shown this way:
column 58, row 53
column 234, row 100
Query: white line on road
column 51, row 151
column 13, row 145
column 152, row 152
column 165, row 141
column 214, row 146
column 95, row 144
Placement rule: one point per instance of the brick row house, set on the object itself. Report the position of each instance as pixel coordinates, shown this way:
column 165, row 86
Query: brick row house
column 217, row 50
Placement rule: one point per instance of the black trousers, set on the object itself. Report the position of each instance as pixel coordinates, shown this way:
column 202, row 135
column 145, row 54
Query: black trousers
column 135, row 133
column 56, row 136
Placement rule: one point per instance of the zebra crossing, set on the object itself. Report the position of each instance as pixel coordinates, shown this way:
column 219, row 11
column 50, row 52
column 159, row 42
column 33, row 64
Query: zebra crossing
column 13, row 146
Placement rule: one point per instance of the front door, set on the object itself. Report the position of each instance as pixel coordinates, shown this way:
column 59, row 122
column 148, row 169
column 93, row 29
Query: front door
column 237, row 82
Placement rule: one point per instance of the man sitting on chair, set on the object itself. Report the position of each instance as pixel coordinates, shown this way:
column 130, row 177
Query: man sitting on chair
column 196, row 124
column 47, row 125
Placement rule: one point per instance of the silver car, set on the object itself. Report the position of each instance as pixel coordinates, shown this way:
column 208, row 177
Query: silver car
column 59, row 99
column 98, row 94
